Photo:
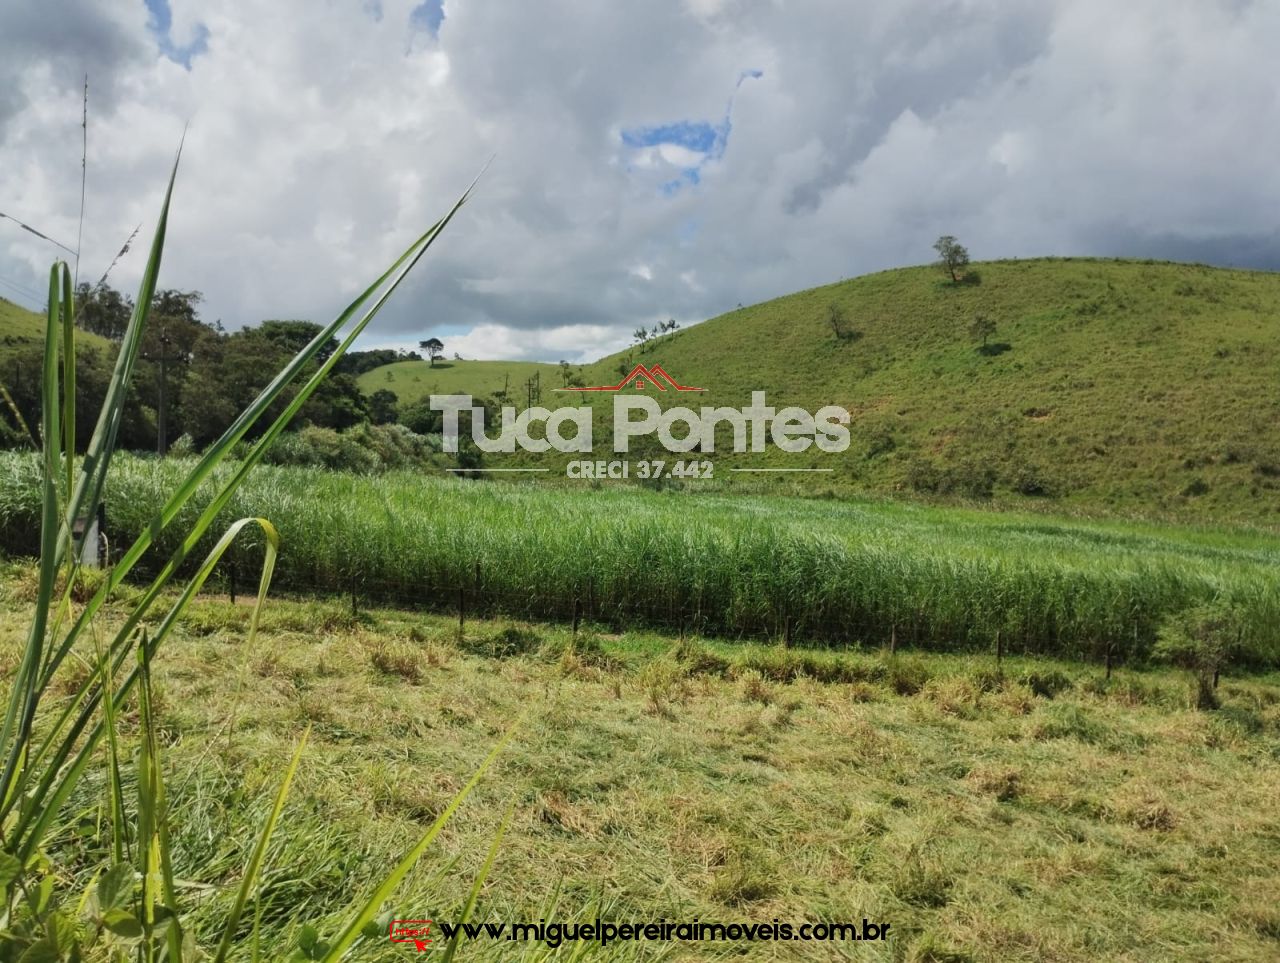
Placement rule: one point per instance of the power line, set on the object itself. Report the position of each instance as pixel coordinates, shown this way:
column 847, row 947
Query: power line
column 22, row 289
column 44, row 237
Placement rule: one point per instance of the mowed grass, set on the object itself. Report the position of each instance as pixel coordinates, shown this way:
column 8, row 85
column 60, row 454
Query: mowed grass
column 847, row 573
column 657, row 779
column 415, row 380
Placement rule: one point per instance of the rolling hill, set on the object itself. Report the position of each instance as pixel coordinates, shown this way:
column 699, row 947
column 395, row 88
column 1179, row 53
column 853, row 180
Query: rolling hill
column 414, row 380
column 1127, row 387
column 1121, row 387
column 1140, row 387
column 20, row 328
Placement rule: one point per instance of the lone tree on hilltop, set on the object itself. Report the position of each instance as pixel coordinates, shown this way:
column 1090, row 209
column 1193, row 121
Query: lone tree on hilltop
column 434, row 348
column 953, row 257
column 983, row 327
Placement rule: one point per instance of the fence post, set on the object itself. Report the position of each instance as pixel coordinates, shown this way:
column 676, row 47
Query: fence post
column 577, row 616
column 786, row 633
column 999, row 652
column 462, row 611
column 893, row 637
column 231, row 574
column 1110, row 645
column 355, row 606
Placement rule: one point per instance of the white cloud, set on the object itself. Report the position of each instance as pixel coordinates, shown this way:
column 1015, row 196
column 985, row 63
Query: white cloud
column 487, row 342
column 323, row 139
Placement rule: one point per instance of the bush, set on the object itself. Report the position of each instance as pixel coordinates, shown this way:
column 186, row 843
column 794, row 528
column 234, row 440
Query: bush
column 1204, row 640
column 364, row 449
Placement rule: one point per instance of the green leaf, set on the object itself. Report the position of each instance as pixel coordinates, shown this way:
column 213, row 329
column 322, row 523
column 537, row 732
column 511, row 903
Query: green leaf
column 42, row 895
column 122, row 923
column 10, row 868
column 308, row 937
column 476, row 886
column 115, row 887
column 42, row 951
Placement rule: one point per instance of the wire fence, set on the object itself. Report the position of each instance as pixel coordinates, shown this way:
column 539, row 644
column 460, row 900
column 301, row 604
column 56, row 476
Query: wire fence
column 680, row 614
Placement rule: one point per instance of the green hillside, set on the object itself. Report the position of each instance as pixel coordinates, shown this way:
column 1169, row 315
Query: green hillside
column 414, row 380
column 1120, row 386
column 20, row 328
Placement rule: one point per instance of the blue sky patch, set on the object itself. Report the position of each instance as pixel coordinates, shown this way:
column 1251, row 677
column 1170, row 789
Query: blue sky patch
column 698, row 136
column 429, row 14
column 161, row 22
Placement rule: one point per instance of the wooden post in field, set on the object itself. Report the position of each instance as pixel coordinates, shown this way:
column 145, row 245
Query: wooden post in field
column 577, row 616
column 1110, row 645
column 355, row 607
column 893, row 638
column 462, row 611
column 999, row 652
column 231, row 575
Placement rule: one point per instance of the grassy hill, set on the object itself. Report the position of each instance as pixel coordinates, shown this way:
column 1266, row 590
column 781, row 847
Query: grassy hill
column 1121, row 386
column 414, row 380
column 20, row 328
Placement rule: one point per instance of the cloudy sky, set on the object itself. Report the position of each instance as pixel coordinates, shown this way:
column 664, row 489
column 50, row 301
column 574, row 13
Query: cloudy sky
column 672, row 158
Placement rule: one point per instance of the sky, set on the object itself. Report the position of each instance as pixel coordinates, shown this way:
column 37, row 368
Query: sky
column 667, row 159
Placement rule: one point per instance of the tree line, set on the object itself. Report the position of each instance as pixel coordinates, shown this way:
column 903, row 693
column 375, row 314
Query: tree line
column 193, row 377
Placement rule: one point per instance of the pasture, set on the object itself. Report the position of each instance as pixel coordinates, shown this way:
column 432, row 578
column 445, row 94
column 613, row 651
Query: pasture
column 1038, row 813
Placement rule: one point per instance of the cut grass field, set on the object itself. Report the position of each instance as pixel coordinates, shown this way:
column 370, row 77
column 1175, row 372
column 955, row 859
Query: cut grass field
column 653, row 779
column 414, row 380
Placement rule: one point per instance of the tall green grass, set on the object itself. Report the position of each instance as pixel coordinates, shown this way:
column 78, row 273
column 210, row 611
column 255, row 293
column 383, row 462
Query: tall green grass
column 839, row 572
column 75, row 678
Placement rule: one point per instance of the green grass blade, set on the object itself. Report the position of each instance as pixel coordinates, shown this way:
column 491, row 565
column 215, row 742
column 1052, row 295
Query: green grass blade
column 87, row 494
column 67, row 320
column 370, row 908
column 27, row 685
column 17, row 417
column 154, row 851
column 216, row 453
column 254, row 868
column 476, row 886
column 119, row 840
column 59, row 777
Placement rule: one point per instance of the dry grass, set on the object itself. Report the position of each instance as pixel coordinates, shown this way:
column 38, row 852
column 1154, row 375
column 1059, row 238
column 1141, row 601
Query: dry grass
column 981, row 820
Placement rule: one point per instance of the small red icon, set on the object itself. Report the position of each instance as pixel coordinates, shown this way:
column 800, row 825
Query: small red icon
column 417, row 932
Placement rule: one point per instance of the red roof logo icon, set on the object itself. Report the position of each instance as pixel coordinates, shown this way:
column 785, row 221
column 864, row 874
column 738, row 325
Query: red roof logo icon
column 641, row 378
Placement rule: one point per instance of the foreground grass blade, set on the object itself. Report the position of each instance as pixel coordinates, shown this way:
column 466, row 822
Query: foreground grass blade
column 254, row 868
column 87, row 494
column 119, row 842
column 478, row 885
column 59, row 778
column 221, row 449
column 370, row 909
column 27, row 687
